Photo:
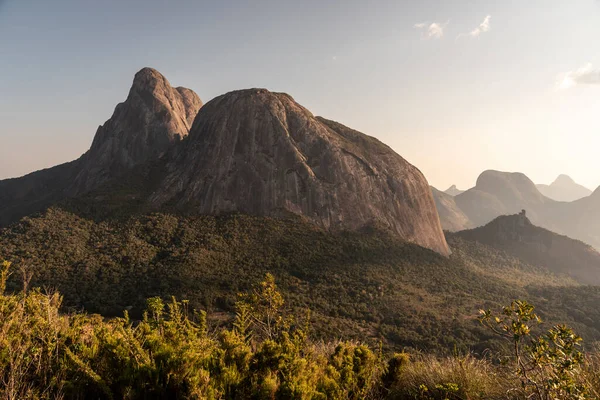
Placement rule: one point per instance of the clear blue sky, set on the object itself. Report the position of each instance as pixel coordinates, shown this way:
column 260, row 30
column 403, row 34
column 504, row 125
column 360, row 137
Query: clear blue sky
column 450, row 91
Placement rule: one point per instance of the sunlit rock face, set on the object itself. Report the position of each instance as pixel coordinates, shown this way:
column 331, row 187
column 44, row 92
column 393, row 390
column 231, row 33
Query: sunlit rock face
column 259, row 152
column 153, row 118
column 143, row 127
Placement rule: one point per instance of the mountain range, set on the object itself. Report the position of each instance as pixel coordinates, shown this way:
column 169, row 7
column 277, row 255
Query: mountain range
column 249, row 151
column 499, row 193
column 180, row 198
column 453, row 191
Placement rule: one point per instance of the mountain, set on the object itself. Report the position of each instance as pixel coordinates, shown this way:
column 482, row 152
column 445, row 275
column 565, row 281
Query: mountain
column 451, row 217
column 537, row 246
column 261, row 153
column 499, row 193
column 581, row 218
column 453, row 191
column 564, row 189
column 248, row 151
column 153, row 118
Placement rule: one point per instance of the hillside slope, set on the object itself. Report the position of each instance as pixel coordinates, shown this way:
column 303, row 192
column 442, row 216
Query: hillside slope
column 365, row 284
column 516, row 235
column 451, row 217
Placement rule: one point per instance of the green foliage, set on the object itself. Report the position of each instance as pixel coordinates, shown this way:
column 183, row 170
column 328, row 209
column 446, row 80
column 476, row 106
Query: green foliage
column 548, row 365
column 171, row 355
column 366, row 285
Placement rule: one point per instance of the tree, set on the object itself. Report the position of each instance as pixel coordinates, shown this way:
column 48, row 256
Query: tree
column 548, row 364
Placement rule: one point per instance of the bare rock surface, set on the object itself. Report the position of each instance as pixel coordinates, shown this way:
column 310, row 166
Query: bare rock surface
column 261, row 153
column 154, row 117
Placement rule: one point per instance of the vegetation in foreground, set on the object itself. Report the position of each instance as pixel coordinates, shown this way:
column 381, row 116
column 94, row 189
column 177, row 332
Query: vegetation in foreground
column 366, row 285
column 266, row 354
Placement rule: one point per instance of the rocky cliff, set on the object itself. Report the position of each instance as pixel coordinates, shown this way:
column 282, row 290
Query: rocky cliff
column 152, row 118
column 261, row 153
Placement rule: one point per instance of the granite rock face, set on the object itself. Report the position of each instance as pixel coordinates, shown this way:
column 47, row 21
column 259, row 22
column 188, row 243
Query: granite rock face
column 153, row 118
column 261, row 153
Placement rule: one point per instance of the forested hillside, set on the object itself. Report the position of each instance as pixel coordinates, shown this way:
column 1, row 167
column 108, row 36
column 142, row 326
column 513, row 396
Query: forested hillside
column 366, row 285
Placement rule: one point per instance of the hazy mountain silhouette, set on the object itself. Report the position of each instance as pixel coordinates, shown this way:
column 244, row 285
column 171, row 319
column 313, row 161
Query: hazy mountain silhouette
column 453, row 191
column 500, row 193
column 564, row 189
column 451, row 216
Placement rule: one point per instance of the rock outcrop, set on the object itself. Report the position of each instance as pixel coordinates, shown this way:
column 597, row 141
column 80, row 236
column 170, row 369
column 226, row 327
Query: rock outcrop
column 261, row 153
column 154, row 117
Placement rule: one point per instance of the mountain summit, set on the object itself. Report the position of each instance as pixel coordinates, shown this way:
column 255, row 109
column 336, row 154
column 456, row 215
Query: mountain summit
column 261, row 153
column 142, row 128
column 564, row 188
column 153, row 118
column 453, row 191
column 249, row 151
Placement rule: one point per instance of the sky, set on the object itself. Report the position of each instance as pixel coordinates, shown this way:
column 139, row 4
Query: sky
column 455, row 87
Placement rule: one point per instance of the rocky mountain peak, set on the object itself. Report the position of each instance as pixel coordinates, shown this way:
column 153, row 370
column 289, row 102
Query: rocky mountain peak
column 564, row 188
column 152, row 118
column 258, row 152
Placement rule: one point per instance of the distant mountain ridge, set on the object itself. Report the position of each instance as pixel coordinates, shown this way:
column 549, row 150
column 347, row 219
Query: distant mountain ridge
column 564, row 188
column 452, row 217
column 560, row 254
column 453, row 191
column 250, row 151
column 499, row 193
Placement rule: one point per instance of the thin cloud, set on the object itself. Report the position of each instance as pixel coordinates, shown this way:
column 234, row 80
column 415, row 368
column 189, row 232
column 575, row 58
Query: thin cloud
column 482, row 28
column 434, row 30
column 585, row 75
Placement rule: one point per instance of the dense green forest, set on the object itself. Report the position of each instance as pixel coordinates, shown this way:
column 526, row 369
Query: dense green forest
column 364, row 285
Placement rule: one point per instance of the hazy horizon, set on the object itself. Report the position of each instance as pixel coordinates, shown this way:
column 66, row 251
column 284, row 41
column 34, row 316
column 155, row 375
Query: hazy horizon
column 454, row 88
